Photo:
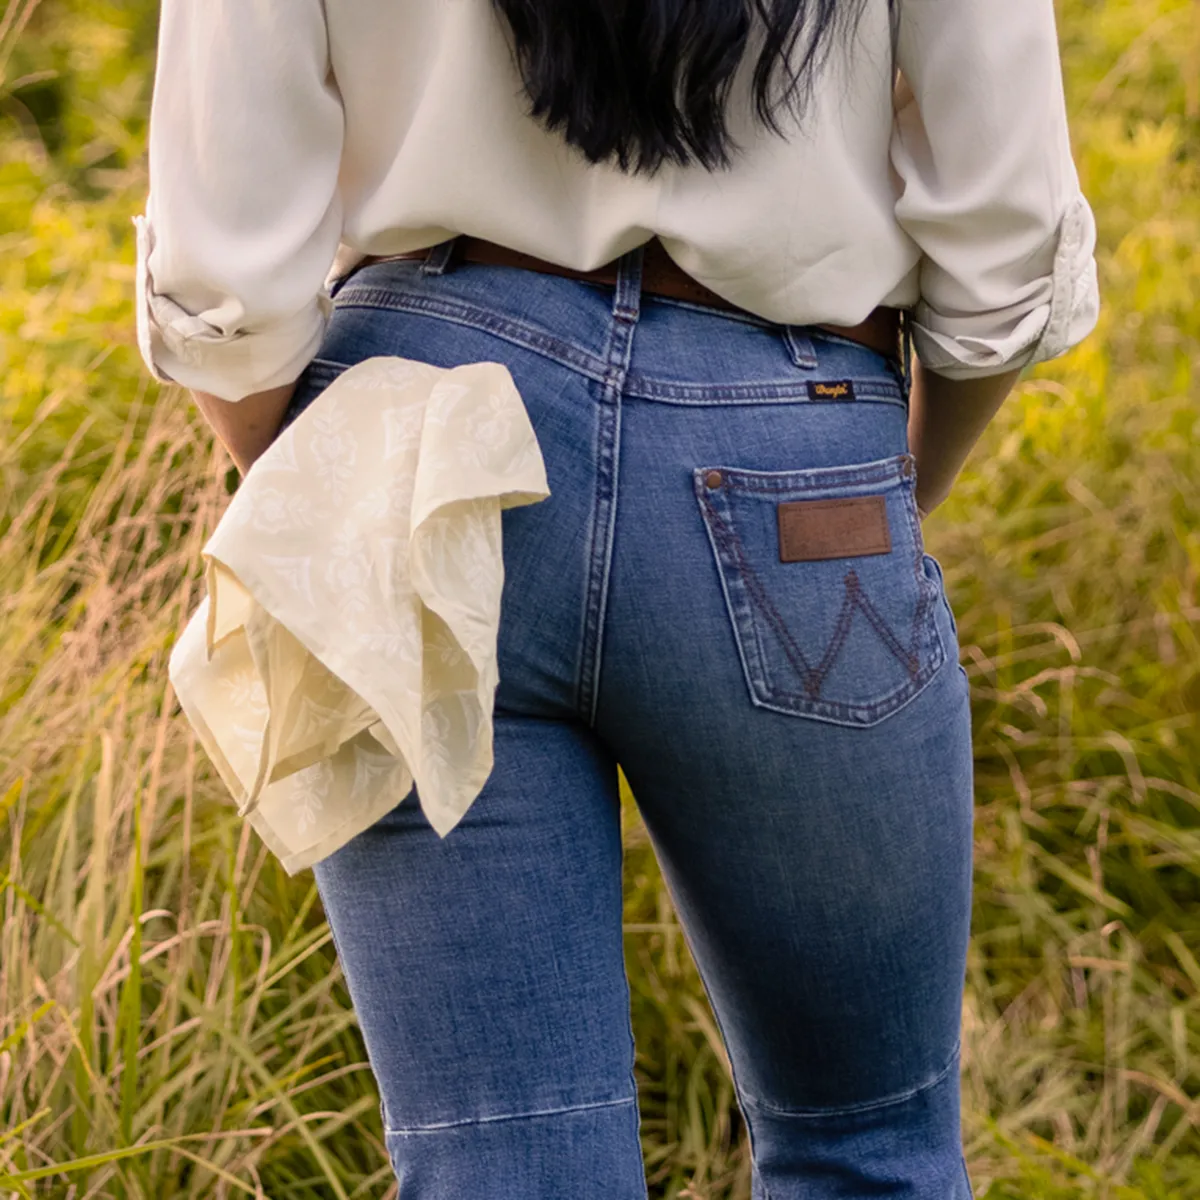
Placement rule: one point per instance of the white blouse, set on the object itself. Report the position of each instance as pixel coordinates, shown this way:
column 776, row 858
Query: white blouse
column 284, row 148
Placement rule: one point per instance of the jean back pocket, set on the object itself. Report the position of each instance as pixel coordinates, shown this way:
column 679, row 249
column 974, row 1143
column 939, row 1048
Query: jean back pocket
column 832, row 603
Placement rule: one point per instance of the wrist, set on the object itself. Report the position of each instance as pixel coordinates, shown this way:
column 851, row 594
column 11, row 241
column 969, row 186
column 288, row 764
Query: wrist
column 248, row 426
column 928, row 498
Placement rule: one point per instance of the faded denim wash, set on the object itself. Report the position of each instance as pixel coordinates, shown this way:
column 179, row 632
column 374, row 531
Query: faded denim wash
column 796, row 734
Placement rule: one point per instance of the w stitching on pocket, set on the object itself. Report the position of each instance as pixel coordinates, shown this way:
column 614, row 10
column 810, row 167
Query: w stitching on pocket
column 855, row 597
column 811, row 700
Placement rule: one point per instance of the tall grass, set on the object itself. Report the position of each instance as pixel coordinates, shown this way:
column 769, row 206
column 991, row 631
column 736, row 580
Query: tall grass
column 172, row 1018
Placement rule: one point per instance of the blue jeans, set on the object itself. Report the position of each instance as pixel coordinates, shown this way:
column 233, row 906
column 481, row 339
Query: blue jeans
column 781, row 686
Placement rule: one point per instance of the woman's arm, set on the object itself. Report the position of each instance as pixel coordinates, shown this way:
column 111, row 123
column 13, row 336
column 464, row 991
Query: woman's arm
column 945, row 419
column 990, row 195
column 244, row 213
column 988, row 190
column 248, row 426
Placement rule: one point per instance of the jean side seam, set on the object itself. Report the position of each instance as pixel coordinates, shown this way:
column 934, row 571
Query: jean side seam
column 967, row 1177
column 866, row 1106
column 498, row 1117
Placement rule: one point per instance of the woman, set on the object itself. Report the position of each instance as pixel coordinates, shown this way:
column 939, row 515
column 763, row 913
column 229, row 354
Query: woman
column 689, row 228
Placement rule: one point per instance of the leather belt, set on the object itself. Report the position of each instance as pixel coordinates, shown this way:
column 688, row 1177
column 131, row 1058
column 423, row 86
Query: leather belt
column 661, row 276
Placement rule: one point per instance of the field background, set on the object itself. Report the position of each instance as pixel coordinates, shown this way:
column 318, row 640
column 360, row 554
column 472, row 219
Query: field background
column 172, row 1019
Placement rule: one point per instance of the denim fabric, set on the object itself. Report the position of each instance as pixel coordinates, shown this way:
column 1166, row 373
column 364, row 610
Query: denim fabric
column 796, row 734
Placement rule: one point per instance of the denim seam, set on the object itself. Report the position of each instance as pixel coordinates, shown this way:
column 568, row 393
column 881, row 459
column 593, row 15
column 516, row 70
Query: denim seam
column 748, row 670
column 696, row 395
column 352, row 295
column 604, row 503
column 884, row 471
column 626, row 311
column 967, row 1177
column 932, row 633
column 943, row 594
column 744, row 316
column 520, row 334
column 867, row 1105
column 789, row 389
column 522, row 1116
column 872, row 714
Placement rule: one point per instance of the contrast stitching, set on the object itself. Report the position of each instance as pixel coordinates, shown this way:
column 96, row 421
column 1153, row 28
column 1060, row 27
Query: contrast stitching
column 866, row 1105
column 459, row 313
column 885, row 471
column 813, row 678
column 756, row 672
column 622, row 328
column 353, row 295
column 544, row 1112
column 732, row 546
column 673, row 391
column 709, row 310
column 908, row 658
column 727, row 546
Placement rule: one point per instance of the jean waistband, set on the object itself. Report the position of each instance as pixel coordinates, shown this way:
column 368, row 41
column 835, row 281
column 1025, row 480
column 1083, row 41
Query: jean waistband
column 884, row 330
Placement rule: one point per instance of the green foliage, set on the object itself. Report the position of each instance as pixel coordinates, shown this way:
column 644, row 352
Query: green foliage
column 172, row 1018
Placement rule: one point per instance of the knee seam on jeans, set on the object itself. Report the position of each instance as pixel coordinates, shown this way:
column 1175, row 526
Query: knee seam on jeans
column 522, row 1116
column 866, row 1105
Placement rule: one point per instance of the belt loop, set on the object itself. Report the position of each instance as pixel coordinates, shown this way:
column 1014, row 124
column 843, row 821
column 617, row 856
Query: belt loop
column 439, row 258
column 627, row 304
column 800, row 346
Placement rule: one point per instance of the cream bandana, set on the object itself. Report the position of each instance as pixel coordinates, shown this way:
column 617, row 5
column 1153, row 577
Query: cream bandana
column 346, row 648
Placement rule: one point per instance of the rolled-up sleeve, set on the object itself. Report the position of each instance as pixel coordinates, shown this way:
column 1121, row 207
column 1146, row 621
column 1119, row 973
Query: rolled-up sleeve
column 989, row 189
column 243, row 215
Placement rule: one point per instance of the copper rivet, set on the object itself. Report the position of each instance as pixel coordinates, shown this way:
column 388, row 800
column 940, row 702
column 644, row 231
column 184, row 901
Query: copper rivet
column 713, row 479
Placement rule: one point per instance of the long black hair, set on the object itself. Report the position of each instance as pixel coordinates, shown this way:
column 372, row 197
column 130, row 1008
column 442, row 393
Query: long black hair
column 640, row 82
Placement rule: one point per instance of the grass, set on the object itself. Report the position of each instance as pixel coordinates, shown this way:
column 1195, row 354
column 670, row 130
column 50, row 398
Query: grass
column 172, row 1018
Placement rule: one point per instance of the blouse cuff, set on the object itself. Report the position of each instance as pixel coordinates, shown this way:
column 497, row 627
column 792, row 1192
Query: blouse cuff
column 179, row 347
column 971, row 347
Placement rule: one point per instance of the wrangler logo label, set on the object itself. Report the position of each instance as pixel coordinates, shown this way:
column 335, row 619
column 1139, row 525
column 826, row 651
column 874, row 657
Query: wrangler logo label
column 838, row 389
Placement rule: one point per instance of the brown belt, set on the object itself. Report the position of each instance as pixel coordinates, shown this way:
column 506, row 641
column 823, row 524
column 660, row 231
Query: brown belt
column 661, row 276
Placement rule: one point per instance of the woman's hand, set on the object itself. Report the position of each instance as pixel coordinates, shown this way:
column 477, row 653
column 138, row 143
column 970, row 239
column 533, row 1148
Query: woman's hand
column 248, row 426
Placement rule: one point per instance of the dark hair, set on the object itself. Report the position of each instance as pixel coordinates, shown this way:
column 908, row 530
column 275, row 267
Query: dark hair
column 646, row 81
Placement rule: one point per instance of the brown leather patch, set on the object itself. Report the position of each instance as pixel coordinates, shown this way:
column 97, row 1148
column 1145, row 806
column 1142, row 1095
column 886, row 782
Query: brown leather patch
column 810, row 530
